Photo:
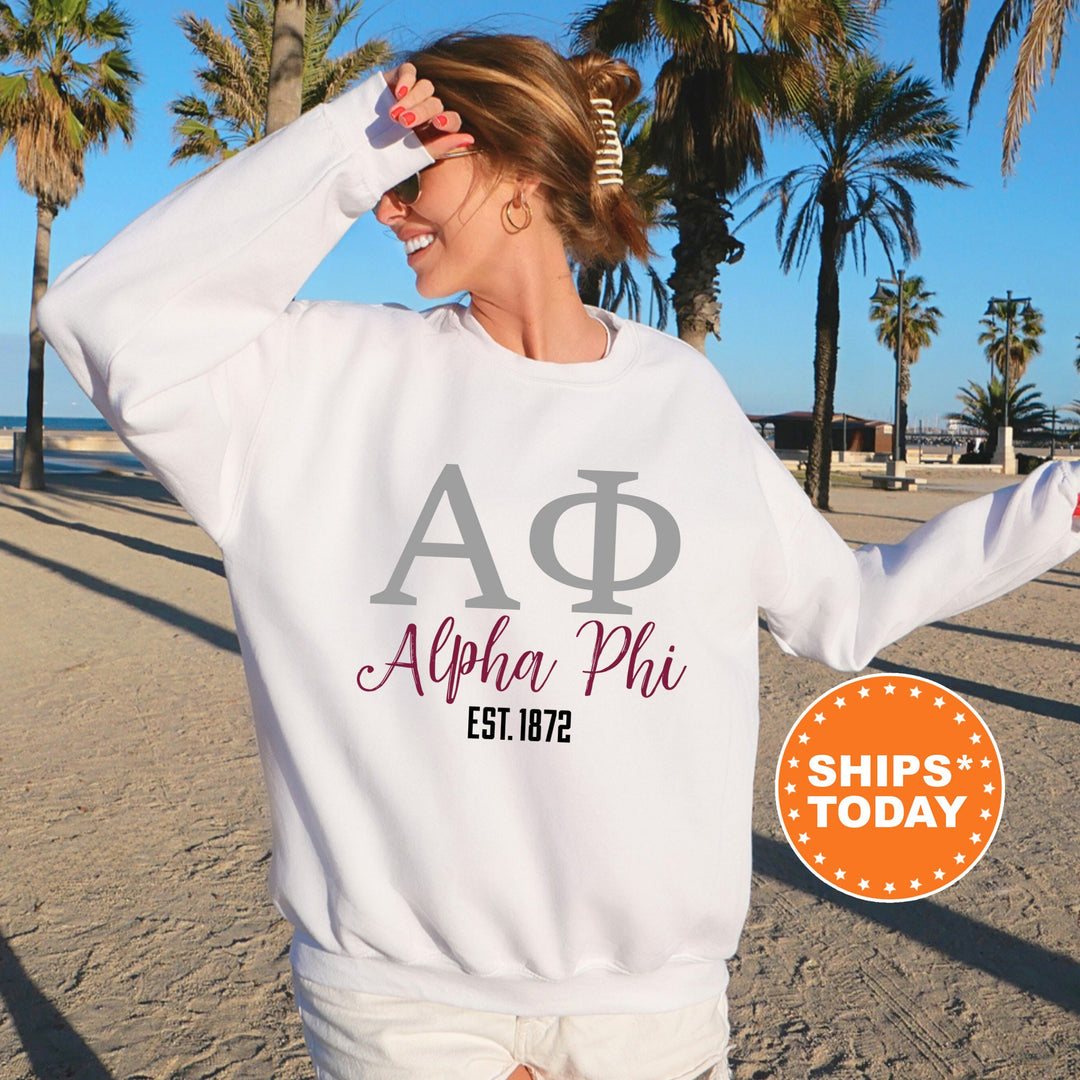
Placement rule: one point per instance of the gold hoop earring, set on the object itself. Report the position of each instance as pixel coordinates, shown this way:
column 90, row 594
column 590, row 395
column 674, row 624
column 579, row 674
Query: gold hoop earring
column 517, row 203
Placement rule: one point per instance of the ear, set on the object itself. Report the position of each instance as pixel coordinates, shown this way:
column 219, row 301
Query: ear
column 526, row 187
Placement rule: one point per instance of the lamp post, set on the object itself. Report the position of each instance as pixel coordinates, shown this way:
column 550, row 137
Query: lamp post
column 1004, row 450
column 881, row 296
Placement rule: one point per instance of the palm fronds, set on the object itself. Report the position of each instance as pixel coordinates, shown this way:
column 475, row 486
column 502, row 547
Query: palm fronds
column 228, row 111
column 59, row 96
column 728, row 68
column 1042, row 25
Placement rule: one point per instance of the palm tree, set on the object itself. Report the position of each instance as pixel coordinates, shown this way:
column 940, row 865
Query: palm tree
column 727, row 67
column 285, row 68
column 876, row 128
column 920, row 324
column 1043, row 33
column 231, row 111
column 984, row 410
column 65, row 89
column 287, row 62
column 1025, row 343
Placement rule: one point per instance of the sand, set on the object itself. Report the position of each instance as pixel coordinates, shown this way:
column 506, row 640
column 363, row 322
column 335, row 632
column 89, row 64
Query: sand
column 136, row 938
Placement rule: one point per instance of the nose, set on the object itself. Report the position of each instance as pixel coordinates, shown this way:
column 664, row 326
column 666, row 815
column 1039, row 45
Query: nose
column 389, row 208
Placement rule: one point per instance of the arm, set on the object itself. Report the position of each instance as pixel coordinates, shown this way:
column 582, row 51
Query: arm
column 164, row 327
column 842, row 607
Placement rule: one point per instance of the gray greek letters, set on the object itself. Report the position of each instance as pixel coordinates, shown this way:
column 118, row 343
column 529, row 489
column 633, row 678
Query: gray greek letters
column 473, row 547
column 602, row 585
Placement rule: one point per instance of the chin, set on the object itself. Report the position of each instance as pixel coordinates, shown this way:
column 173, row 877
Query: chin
column 433, row 289
column 425, row 290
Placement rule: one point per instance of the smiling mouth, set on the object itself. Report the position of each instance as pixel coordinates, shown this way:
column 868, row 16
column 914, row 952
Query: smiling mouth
column 418, row 243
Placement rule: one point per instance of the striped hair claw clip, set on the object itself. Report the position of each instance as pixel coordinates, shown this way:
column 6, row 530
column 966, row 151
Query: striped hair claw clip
column 609, row 151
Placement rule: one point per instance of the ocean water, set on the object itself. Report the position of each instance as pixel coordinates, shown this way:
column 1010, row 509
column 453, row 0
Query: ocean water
column 59, row 423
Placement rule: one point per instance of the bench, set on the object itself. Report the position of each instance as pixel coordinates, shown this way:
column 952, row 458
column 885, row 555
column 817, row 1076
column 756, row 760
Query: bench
column 892, row 483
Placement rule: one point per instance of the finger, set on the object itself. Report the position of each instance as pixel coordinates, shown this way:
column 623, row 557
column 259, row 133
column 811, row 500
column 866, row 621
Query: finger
column 420, row 91
column 412, row 116
column 444, row 144
column 446, row 122
column 401, row 80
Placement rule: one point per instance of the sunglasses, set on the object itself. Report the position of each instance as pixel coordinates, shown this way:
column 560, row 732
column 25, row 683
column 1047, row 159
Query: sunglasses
column 408, row 191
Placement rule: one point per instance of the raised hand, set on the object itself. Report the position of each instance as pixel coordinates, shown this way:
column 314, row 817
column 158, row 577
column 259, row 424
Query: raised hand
column 418, row 108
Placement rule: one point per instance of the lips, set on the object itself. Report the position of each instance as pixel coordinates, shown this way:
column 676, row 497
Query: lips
column 417, row 243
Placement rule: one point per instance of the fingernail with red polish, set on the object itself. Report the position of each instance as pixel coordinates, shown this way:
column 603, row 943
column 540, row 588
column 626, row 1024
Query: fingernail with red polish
column 402, row 91
column 441, row 120
column 395, row 113
column 408, row 118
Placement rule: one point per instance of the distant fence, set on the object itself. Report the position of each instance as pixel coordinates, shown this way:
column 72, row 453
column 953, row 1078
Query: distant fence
column 93, row 442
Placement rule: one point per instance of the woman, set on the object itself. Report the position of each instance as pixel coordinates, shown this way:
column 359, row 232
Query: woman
column 496, row 570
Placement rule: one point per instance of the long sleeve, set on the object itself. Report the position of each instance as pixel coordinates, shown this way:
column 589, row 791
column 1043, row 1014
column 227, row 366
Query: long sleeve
column 842, row 607
column 165, row 327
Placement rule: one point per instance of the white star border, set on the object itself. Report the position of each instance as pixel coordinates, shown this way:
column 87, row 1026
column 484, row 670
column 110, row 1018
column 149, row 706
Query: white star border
column 857, row 690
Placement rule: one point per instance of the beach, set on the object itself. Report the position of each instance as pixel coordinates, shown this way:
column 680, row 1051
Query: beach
column 137, row 941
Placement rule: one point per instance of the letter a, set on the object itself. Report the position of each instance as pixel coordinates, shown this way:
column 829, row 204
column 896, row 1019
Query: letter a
column 473, row 547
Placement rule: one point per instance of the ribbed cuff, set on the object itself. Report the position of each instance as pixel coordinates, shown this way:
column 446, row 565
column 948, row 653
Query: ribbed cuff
column 360, row 121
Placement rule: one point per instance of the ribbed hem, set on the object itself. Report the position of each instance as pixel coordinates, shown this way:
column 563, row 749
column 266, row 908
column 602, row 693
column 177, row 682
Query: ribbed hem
column 677, row 985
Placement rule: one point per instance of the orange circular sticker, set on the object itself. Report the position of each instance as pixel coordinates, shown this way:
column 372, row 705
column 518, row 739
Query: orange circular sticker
column 890, row 787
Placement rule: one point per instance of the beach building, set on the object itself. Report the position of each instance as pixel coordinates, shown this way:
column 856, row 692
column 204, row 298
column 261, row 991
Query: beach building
column 789, row 433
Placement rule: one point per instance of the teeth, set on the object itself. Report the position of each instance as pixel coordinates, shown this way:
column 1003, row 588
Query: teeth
column 415, row 243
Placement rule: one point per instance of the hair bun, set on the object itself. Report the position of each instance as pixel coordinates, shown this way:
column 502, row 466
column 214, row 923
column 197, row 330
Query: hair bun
column 618, row 212
column 608, row 77
column 531, row 111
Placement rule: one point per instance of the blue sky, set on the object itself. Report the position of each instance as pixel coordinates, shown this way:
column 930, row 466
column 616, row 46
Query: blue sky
column 976, row 243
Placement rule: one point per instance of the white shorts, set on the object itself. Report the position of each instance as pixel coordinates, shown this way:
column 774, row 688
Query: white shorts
column 354, row 1036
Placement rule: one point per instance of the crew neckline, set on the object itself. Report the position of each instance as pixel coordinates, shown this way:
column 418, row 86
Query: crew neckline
column 619, row 357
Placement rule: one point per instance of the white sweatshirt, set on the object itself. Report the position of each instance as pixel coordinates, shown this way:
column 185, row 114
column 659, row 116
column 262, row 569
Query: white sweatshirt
column 498, row 616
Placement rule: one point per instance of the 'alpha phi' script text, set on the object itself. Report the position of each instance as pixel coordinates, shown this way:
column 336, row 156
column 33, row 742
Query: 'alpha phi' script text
column 619, row 652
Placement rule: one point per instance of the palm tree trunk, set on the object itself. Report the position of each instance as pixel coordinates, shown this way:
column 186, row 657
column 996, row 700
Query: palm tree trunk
column 905, row 387
column 286, row 64
column 33, row 464
column 588, row 284
column 704, row 243
column 826, row 333
column 906, row 359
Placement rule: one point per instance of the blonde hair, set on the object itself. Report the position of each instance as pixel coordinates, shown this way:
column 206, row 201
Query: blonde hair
column 530, row 110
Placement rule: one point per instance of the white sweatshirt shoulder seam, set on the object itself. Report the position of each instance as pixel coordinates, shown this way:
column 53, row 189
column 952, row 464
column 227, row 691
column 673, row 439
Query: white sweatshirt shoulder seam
column 267, row 225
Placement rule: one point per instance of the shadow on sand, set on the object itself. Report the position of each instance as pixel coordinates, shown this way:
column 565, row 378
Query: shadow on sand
column 219, row 636
column 1004, row 635
column 105, row 488
column 1052, row 976
column 135, row 543
column 54, row 1048
column 1012, row 699
column 100, row 483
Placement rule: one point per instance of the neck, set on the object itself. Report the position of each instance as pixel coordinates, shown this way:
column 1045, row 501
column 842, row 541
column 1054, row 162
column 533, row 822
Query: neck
column 534, row 310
